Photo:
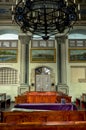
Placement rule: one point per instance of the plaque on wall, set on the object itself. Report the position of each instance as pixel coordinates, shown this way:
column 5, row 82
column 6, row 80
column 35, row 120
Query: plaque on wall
column 14, row 44
column 6, row 43
column 72, row 43
column 51, row 43
column 9, row 44
column 43, row 44
column 80, row 43
column 34, row 43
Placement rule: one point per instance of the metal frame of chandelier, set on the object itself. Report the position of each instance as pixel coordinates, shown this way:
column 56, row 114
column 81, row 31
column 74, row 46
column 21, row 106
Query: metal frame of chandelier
column 45, row 17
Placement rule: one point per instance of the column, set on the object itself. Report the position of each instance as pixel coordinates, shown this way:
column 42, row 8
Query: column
column 61, row 63
column 59, row 60
column 24, row 59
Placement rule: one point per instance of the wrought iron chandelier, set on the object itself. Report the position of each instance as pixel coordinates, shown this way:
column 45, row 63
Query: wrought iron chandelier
column 45, row 17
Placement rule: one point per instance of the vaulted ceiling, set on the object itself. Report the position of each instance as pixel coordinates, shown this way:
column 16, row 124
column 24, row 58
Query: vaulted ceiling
column 6, row 12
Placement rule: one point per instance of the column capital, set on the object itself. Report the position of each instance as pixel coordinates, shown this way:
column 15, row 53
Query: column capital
column 61, row 39
column 25, row 39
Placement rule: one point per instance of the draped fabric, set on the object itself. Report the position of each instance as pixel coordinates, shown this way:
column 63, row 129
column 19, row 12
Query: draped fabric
column 46, row 106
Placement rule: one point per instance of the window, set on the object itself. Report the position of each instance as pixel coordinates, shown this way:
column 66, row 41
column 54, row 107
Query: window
column 8, row 76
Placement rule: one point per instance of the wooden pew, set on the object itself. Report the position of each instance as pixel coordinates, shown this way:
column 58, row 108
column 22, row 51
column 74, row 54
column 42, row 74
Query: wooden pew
column 43, row 116
column 45, row 126
column 67, row 98
column 37, row 97
column 21, row 99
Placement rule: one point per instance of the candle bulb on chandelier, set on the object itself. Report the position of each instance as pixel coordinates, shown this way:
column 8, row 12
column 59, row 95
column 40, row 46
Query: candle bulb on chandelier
column 66, row 2
column 74, row 1
column 45, row 18
column 16, row 2
column 12, row 7
column 12, row 18
column 79, row 10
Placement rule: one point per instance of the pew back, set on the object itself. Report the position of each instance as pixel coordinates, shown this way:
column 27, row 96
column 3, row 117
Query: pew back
column 45, row 126
column 43, row 116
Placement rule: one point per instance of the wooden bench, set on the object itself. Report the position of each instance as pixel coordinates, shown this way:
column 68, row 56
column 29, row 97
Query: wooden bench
column 46, row 97
column 43, row 116
column 80, row 125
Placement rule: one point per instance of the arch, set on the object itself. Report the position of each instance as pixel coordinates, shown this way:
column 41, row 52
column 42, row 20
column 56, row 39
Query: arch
column 43, row 69
column 8, row 31
column 9, row 36
column 77, row 34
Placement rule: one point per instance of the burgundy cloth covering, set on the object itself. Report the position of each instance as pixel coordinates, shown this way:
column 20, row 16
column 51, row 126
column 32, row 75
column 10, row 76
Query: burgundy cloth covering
column 46, row 106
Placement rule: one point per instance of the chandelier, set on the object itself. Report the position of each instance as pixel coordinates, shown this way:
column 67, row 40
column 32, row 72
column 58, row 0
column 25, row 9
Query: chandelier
column 45, row 17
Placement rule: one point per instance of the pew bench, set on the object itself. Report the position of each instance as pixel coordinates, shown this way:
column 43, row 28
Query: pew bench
column 42, row 116
column 42, row 97
column 74, row 125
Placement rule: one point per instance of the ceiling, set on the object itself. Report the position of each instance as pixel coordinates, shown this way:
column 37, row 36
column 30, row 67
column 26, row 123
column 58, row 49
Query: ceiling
column 6, row 13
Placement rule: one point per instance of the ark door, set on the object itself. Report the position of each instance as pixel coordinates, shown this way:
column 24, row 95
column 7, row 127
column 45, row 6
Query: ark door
column 43, row 79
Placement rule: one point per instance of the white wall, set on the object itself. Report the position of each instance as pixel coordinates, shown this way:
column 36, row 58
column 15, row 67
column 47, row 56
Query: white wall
column 76, row 88
column 9, row 89
column 53, row 66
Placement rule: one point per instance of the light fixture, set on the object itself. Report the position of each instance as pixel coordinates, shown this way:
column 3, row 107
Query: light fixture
column 45, row 17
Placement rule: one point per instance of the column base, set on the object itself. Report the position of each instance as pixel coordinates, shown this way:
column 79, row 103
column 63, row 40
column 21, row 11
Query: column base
column 22, row 88
column 63, row 88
